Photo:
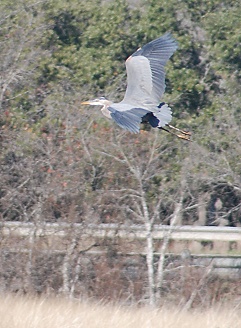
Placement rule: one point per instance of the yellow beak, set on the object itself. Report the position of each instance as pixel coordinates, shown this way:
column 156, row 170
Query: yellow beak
column 85, row 103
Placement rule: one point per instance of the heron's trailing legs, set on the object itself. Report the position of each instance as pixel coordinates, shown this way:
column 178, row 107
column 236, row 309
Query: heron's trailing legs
column 179, row 130
column 184, row 134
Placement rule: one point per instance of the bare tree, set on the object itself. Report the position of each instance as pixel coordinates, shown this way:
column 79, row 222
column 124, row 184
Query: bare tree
column 141, row 161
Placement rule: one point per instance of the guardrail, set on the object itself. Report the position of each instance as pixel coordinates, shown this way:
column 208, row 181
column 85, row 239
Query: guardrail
column 123, row 231
column 204, row 243
column 198, row 239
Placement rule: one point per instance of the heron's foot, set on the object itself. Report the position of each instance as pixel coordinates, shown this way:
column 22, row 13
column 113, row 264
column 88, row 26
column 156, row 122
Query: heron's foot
column 179, row 130
column 184, row 137
column 184, row 134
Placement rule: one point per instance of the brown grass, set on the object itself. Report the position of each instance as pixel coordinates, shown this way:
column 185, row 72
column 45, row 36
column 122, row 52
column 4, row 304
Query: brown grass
column 25, row 312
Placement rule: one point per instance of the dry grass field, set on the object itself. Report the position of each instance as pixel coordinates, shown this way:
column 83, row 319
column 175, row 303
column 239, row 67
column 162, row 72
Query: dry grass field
column 24, row 312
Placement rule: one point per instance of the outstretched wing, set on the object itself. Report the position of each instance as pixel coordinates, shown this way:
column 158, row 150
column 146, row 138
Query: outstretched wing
column 146, row 73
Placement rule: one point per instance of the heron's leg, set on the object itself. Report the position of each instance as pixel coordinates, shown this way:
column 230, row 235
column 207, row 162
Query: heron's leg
column 161, row 128
column 179, row 130
column 185, row 137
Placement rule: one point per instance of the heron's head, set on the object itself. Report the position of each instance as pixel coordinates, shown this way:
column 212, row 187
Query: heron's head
column 97, row 102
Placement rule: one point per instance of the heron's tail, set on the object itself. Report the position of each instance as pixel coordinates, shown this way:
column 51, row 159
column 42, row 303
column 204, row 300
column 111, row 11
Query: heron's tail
column 163, row 114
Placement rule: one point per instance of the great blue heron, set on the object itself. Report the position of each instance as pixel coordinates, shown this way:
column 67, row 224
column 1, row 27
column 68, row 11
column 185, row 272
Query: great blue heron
column 145, row 87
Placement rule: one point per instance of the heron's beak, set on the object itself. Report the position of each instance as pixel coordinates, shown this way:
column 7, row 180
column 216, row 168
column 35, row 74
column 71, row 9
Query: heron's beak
column 85, row 103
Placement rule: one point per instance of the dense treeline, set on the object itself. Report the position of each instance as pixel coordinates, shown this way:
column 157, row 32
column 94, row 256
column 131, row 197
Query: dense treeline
column 66, row 162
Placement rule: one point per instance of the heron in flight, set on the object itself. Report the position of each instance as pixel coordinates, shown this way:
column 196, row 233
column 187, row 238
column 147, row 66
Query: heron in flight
column 145, row 87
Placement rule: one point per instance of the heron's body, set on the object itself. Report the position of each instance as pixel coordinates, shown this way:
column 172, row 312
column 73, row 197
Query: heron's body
column 145, row 87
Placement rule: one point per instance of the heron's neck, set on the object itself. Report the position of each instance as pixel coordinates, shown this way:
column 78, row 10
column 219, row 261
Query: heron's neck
column 105, row 111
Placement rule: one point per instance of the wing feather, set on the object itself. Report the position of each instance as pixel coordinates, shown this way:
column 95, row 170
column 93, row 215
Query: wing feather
column 146, row 72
